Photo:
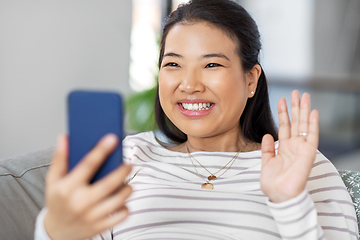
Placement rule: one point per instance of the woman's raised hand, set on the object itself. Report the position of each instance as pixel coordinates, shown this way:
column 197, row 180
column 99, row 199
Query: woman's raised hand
column 284, row 175
column 77, row 209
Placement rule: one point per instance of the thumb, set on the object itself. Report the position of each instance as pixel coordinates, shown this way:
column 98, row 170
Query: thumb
column 267, row 148
column 59, row 166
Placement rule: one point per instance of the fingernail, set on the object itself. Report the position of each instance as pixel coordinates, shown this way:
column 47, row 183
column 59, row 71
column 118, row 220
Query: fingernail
column 110, row 139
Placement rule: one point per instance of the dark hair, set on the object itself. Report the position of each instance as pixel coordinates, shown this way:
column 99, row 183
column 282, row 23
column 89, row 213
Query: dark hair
column 256, row 120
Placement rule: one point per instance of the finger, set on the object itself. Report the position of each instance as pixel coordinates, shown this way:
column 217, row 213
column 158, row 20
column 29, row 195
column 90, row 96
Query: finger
column 109, row 184
column 59, row 165
column 295, row 110
column 267, row 149
column 284, row 121
column 111, row 204
column 304, row 113
column 89, row 165
column 313, row 135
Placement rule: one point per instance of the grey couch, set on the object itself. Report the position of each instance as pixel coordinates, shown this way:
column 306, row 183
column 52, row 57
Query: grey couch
column 22, row 183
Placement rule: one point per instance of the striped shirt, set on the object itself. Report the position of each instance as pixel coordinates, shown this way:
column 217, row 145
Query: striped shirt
column 168, row 202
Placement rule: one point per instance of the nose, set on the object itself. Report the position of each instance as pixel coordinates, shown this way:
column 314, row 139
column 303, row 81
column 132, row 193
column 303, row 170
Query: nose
column 191, row 82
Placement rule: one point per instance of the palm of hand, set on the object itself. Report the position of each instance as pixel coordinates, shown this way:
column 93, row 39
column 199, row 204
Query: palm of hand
column 284, row 175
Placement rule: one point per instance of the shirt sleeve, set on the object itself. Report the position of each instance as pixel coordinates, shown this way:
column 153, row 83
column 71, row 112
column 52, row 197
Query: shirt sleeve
column 41, row 234
column 324, row 210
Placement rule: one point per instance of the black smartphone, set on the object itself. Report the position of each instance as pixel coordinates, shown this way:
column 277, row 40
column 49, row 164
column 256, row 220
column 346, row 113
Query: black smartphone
column 91, row 115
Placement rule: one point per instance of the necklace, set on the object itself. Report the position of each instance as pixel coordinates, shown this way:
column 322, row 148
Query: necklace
column 212, row 176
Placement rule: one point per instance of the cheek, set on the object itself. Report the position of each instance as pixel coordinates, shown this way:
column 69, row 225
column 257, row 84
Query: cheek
column 230, row 88
column 162, row 90
column 166, row 89
column 233, row 97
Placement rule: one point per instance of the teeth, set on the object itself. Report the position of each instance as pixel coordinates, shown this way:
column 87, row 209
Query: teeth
column 196, row 106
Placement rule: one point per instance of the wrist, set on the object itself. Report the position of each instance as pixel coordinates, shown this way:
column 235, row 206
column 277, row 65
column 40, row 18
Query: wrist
column 289, row 202
column 40, row 232
column 46, row 225
column 283, row 197
column 49, row 227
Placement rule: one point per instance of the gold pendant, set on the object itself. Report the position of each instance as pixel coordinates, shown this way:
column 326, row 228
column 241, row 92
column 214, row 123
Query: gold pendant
column 207, row 186
column 212, row 177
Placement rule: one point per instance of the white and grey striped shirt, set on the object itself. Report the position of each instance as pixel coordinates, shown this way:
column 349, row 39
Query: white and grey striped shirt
column 168, row 202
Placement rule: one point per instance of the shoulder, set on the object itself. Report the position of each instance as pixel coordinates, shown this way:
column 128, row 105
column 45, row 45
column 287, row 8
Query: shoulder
column 324, row 178
column 323, row 169
column 140, row 144
column 149, row 139
column 322, row 164
column 140, row 139
column 145, row 147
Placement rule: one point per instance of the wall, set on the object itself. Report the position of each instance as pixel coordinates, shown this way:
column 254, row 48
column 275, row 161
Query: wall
column 337, row 38
column 48, row 48
column 286, row 29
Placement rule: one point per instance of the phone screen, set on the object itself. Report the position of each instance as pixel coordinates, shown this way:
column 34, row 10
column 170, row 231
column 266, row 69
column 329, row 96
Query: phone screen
column 91, row 115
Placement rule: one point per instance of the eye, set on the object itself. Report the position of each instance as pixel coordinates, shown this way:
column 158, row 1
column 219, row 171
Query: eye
column 211, row 65
column 171, row 64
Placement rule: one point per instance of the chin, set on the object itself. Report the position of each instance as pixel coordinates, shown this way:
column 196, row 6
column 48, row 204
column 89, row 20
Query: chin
column 199, row 133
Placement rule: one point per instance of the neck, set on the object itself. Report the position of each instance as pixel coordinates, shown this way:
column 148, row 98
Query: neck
column 231, row 141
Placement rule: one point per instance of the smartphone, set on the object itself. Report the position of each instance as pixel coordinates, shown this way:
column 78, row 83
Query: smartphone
column 91, row 115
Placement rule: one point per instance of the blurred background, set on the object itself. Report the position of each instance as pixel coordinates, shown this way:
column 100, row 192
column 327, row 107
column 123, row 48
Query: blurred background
column 49, row 48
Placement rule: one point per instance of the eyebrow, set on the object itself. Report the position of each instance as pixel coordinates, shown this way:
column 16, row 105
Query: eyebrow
column 219, row 55
column 171, row 54
column 211, row 55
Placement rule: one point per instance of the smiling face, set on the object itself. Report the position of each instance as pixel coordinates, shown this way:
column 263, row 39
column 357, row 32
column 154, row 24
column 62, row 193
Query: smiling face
column 203, row 89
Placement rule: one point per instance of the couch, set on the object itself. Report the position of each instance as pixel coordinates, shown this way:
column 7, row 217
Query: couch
column 22, row 183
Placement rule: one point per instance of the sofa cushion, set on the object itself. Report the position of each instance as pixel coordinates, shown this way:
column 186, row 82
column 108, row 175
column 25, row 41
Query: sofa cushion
column 352, row 182
column 22, row 183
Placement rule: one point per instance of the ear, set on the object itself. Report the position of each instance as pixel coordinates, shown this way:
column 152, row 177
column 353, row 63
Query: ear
column 252, row 78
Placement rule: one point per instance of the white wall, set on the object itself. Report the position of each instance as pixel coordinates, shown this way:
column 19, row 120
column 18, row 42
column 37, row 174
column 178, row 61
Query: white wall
column 48, row 48
column 286, row 29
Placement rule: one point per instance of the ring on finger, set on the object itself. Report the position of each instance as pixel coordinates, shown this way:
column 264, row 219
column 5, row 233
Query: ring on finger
column 303, row 134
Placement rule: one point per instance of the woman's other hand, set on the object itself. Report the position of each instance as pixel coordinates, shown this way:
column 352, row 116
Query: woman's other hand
column 284, row 175
column 77, row 209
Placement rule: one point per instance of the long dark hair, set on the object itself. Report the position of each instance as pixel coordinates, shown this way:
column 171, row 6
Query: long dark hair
column 256, row 120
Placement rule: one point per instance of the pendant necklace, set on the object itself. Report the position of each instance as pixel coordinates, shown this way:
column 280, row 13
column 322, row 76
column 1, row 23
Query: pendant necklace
column 212, row 176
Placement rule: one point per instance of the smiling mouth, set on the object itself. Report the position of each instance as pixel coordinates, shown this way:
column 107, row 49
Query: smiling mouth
column 196, row 106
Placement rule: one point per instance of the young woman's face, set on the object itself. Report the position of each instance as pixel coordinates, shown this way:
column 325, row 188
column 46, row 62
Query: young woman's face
column 202, row 87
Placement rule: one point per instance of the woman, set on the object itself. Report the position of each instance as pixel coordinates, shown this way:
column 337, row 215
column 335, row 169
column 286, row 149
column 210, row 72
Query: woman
column 224, row 177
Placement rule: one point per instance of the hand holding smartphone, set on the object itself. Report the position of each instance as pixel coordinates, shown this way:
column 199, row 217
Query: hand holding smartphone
column 91, row 115
column 75, row 208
